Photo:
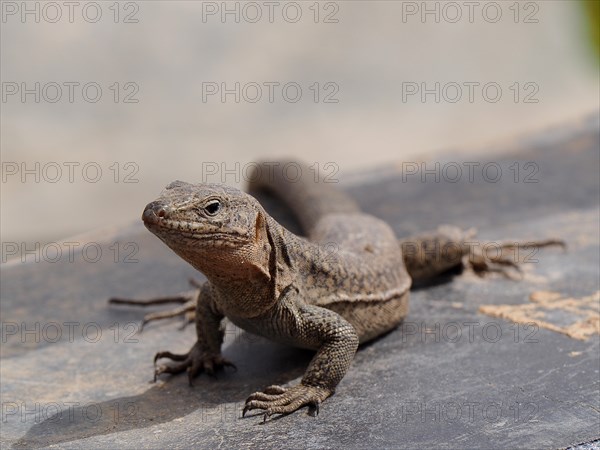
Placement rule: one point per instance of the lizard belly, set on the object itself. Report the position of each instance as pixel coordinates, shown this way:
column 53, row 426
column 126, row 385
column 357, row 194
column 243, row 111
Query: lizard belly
column 373, row 318
column 369, row 318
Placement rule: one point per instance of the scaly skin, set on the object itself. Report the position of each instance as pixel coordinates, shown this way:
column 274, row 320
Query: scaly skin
column 344, row 285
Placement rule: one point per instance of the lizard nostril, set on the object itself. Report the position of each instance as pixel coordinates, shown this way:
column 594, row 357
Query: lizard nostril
column 155, row 211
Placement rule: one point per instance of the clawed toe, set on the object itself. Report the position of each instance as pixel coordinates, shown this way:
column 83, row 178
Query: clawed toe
column 505, row 267
column 187, row 299
column 290, row 408
column 274, row 389
column 171, row 356
column 279, row 400
column 173, row 370
column 482, row 263
column 269, row 393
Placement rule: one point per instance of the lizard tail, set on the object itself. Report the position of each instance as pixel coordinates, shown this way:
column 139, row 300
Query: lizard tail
column 308, row 193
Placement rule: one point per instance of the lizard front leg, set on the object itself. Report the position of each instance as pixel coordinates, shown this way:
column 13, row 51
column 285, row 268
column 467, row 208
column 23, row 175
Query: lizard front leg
column 313, row 327
column 205, row 355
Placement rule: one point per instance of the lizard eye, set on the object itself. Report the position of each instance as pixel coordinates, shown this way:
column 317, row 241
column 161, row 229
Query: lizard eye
column 212, row 207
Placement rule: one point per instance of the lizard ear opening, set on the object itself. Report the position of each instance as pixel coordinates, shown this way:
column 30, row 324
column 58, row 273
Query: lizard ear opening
column 260, row 228
column 262, row 246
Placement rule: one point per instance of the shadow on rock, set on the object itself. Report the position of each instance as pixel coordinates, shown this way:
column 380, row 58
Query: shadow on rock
column 260, row 363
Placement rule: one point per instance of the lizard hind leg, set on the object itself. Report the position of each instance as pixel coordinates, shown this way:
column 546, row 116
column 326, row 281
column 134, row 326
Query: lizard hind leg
column 430, row 254
column 502, row 257
column 188, row 300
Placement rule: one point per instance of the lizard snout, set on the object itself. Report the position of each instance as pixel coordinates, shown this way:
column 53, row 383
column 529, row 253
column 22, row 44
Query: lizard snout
column 155, row 211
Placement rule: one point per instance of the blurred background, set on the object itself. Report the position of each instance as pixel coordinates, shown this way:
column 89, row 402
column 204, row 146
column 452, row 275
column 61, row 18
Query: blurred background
column 104, row 103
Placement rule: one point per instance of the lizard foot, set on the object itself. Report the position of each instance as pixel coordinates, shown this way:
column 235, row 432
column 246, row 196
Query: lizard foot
column 188, row 299
column 194, row 362
column 491, row 258
column 280, row 400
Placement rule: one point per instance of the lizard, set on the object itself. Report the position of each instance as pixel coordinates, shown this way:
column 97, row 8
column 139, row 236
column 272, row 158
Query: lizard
column 274, row 283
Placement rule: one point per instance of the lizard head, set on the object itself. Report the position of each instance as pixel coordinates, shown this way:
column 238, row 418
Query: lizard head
column 219, row 230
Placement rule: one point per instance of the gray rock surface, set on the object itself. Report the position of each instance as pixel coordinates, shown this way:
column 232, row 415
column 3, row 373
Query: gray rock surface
column 74, row 374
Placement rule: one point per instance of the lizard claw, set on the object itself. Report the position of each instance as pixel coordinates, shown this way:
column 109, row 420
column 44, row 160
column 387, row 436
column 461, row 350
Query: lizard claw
column 245, row 410
column 279, row 400
column 194, row 362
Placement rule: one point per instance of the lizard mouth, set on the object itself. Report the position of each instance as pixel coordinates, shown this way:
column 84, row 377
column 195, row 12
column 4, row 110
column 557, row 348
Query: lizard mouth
column 158, row 222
